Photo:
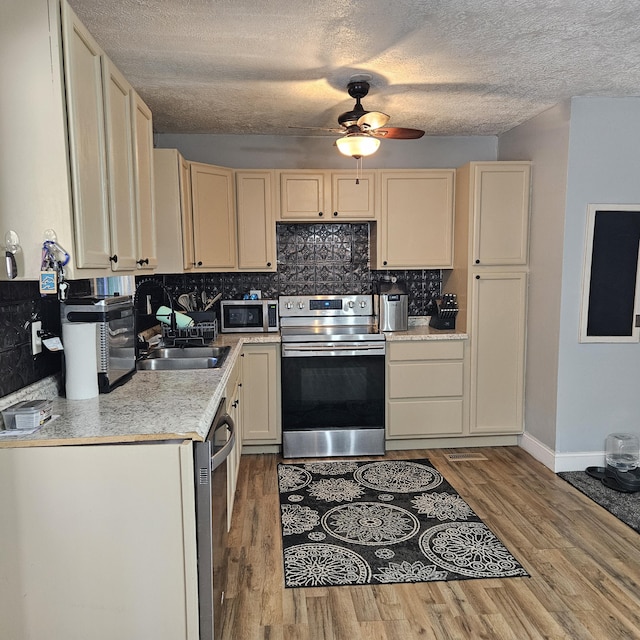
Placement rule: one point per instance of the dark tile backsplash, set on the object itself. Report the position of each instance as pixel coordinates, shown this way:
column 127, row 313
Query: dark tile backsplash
column 316, row 259
column 312, row 259
column 20, row 303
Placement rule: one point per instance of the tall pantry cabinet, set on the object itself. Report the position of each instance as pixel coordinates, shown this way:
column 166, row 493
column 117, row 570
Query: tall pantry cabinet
column 490, row 278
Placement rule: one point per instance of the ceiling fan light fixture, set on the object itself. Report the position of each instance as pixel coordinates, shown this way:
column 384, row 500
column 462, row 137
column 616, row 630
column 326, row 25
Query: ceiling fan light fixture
column 357, row 145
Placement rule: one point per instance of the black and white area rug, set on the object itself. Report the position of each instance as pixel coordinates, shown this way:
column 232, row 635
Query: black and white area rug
column 391, row 521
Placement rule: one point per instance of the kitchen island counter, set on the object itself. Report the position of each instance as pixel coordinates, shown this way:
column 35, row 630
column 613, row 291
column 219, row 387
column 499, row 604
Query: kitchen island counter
column 151, row 406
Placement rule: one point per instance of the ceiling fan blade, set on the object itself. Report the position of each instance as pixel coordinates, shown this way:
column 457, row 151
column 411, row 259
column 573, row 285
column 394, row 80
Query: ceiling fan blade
column 399, row 133
column 372, row 120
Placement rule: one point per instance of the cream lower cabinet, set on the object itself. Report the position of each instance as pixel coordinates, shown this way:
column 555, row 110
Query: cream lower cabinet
column 425, row 388
column 235, row 409
column 261, row 419
column 415, row 228
column 325, row 196
column 498, row 322
column 98, row 542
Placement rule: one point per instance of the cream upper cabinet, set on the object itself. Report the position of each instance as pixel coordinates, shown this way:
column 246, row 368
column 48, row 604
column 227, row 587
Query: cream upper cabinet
column 172, row 190
column 213, row 218
column 142, row 128
column 255, row 208
column 415, row 228
column 353, row 197
column 327, row 195
column 498, row 323
column 88, row 156
column 425, row 388
column 122, row 196
column 498, row 194
column 261, row 421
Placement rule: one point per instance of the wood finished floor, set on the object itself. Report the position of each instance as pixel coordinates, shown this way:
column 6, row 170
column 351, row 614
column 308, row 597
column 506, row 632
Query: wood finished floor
column 584, row 566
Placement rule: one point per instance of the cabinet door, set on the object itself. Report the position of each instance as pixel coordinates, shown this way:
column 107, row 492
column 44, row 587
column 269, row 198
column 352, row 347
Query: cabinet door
column 302, row 195
column 214, row 218
column 234, row 409
column 351, row 198
column 416, row 220
column 119, row 557
column 142, row 127
column 256, row 220
column 501, row 206
column 85, row 114
column 498, row 310
column 188, row 256
column 261, row 394
column 122, row 197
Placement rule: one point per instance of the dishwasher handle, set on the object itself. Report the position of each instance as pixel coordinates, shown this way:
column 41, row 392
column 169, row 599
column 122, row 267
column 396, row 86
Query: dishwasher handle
column 220, row 456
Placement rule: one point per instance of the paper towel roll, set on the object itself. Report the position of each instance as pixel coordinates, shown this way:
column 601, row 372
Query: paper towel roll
column 80, row 360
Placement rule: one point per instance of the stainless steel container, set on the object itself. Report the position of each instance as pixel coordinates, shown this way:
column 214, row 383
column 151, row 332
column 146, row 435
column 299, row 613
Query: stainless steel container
column 393, row 307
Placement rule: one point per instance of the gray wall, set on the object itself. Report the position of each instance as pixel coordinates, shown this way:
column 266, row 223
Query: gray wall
column 295, row 152
column 585, row 152
column 597, row 383
column 545, row 141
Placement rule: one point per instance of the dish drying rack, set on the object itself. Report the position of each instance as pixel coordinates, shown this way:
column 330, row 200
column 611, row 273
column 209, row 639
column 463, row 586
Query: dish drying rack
column 201, row 333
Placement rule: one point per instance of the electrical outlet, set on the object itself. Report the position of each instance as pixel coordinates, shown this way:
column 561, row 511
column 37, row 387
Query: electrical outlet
column 36, row 340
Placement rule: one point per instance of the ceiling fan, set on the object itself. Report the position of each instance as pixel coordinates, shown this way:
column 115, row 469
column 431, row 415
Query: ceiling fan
column 363, row 129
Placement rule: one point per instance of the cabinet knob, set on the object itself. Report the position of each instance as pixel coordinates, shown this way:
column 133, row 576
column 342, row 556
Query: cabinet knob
column 143, row 261
column 268, row 264
column 335, row 214
column 113, row 258
column 384, row 262
column 477, row 261
column 477, row 277
column 320, row 213
column 235, row 403
column 199, row 263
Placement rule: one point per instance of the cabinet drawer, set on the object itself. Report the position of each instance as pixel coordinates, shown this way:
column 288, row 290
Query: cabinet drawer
column 427, row 350
column 426, row 380
column 409, row 419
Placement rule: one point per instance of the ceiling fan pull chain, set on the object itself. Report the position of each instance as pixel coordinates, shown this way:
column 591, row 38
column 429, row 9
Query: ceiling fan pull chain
column 358, row 169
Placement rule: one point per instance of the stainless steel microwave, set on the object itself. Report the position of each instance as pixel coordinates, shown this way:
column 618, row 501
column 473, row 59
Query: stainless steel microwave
column 249, row 316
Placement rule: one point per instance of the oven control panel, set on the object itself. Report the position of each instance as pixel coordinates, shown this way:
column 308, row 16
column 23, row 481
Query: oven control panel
column 325, row 305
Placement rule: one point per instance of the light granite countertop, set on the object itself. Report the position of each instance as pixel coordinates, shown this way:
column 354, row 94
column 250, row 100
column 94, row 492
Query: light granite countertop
column 161, row 405
column 150, row 406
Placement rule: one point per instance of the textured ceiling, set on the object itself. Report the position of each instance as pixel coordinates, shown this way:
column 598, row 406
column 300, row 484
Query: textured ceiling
column 450, row 67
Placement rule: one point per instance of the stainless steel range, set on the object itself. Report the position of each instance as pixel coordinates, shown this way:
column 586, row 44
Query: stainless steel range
column 332, row 376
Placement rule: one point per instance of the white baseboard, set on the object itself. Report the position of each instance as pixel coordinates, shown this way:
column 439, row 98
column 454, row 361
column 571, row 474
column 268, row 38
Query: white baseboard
column 573, row 461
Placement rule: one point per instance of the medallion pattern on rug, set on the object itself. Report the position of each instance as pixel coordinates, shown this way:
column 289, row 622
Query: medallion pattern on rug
column 389, row 521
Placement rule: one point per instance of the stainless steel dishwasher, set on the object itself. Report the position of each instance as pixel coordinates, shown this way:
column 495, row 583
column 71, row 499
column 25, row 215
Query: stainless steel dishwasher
column 210, row 467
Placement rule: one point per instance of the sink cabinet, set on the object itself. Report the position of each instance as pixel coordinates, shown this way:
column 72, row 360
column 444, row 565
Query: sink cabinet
column 99, row 541
column 415, row 229
column 326, row 196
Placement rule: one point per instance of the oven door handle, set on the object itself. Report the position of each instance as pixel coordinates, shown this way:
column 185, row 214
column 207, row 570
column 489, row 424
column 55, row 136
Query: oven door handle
column 326, row 348
column 220, row 456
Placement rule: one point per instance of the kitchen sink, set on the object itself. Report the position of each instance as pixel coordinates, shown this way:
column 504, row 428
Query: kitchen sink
column 177, row 358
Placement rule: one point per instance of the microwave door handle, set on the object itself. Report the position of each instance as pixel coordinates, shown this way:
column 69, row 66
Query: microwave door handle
column 220, row 456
